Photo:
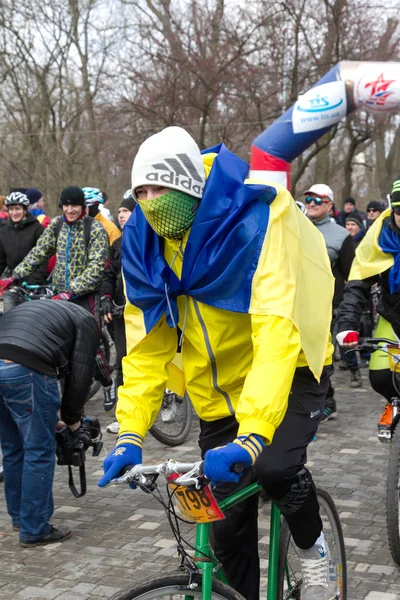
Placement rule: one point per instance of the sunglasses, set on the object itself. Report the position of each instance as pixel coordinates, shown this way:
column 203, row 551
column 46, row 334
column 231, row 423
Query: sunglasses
column 396, row 210
column 372, row 210
column 317, row 201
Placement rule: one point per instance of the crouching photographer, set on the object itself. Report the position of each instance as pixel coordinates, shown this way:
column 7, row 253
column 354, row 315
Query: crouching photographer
column 40, row 341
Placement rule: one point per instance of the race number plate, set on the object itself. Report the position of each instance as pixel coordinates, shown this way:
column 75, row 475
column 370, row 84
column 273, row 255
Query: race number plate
column 199, row 506
column 394, row 358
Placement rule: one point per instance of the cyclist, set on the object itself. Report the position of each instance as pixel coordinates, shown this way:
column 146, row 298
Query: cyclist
column 233, row 264
column 113, row 298
column 93, row 202
column 80, row 244
column 18, row 237
column 376, row 262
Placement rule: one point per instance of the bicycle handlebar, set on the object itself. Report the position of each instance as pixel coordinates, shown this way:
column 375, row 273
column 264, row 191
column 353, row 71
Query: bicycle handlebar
column 190, row 474
column 372, row 343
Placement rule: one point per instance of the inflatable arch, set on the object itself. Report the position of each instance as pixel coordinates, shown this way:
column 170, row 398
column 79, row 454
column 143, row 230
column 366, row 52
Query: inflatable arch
column 373, row 86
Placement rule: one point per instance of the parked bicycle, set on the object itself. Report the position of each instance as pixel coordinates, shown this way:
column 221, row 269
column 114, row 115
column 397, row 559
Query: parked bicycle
column 392, row 348
column 174, row 420
column 200, row 574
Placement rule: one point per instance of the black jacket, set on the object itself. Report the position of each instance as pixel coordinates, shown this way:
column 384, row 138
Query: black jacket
column 357, row 294
column 16, row 243
column 112, row 277
column 54, row 338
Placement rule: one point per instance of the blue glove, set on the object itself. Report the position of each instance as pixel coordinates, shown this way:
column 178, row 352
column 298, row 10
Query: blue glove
column 219, row 462
column 122, row 456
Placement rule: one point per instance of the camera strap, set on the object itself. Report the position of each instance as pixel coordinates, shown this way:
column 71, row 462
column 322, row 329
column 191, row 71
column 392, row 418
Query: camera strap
column 82, row 477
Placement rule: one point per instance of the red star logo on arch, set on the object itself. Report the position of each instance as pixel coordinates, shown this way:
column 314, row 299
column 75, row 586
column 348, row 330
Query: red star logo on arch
column 379, row 87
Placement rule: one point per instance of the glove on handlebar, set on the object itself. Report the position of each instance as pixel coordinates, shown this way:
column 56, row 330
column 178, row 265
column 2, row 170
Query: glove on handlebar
column 347, row 337
column 63, row 296
column 106, row 304
column 127, row 452
column 6, row 283
column 218, row 462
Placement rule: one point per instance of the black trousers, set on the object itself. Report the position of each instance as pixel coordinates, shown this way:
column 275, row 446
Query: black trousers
column 120, row 347
column 280, row 470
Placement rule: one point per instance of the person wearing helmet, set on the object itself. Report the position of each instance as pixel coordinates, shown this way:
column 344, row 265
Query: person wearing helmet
column 103, row 208
column 376, row 262
column 80, row 244
column 18, row 237
column 93, row 200
column 233, row 263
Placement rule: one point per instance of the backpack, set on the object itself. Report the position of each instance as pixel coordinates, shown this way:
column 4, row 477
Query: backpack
column 87, row 227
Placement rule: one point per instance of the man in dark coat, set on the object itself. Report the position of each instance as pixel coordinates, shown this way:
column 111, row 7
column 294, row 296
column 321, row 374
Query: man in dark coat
column 40, row 341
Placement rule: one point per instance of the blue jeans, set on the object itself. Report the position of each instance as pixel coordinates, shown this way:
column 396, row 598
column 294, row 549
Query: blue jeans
column 29, row 402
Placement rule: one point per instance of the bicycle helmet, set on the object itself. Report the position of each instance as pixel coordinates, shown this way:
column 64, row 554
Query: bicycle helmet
column 17, row 198
column 128, row 195
column 92, row 196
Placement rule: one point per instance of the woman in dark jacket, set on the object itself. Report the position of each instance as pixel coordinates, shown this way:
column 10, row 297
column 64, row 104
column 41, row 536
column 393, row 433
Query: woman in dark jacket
column 17, row 238
column 112, row 295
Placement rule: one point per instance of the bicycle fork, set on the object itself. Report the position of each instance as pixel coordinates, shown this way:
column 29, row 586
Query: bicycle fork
column 206, row 566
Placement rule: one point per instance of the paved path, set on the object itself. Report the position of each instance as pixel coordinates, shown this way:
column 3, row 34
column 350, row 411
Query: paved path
column 120, row 535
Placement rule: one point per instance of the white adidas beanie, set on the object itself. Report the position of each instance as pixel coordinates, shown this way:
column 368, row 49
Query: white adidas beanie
column 170, row 158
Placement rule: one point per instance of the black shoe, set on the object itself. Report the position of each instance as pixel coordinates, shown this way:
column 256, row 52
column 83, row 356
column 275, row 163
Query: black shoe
column 110, row 396
column 329, row 411
column 54, row 536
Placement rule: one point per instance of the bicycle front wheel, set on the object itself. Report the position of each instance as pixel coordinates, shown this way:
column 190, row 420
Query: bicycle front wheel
column 393, row 497
column 174, row 420
column 289, row 569
column 175, row 586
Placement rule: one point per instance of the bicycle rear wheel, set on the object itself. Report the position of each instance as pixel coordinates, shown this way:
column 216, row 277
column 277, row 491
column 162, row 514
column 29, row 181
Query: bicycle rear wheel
column 174, row 420
column 175, row 586
column 393, row 497
column 289, row 569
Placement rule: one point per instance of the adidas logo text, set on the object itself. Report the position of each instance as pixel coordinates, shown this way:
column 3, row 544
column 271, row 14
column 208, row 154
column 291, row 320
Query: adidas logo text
column 178, row 171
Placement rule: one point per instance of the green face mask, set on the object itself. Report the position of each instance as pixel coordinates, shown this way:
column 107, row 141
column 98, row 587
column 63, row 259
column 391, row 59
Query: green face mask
column 171, row 214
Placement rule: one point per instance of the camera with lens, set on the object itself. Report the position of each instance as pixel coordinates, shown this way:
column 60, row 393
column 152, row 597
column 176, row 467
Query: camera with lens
column 72, row 446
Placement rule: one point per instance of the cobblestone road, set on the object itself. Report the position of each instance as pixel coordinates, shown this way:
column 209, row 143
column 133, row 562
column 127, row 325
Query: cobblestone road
column 120, row 535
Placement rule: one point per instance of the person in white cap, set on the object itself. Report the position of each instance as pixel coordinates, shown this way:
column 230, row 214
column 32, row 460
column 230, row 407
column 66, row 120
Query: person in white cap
column 341, row 250
column 233, row 263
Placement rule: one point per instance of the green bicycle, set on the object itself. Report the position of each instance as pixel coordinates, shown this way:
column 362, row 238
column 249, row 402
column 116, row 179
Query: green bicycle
column 200, row 574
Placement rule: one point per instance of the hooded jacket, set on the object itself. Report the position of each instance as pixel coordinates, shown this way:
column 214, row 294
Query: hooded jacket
column 250, row 286
column 78, row 269
column 65, row 345
column 16, row 242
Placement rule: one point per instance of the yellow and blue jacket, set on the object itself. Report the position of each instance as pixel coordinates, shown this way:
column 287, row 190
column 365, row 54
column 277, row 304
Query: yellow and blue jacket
column 250, row 286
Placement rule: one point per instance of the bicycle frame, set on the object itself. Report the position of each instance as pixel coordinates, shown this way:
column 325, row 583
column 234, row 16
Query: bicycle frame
column 203, row 545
